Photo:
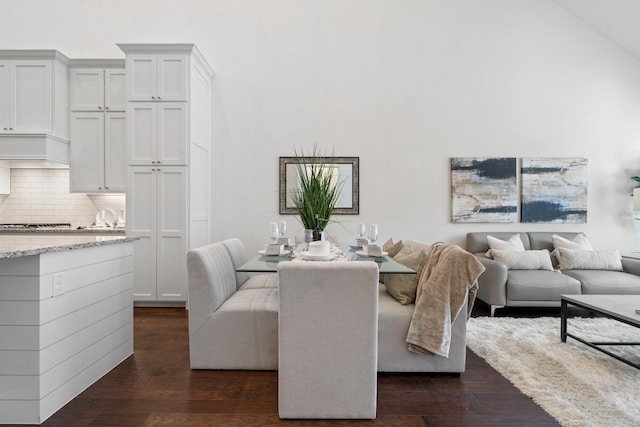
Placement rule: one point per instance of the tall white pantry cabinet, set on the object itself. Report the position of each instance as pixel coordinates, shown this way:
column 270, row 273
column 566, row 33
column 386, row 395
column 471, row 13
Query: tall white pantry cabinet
column 168, row 153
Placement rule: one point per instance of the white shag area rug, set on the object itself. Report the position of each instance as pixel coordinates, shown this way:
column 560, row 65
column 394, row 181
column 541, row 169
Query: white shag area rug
column 575, row 384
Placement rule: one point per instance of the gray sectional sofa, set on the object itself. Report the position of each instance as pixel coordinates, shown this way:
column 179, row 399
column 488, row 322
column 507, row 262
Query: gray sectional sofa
column 233, row 319
column 502, row 287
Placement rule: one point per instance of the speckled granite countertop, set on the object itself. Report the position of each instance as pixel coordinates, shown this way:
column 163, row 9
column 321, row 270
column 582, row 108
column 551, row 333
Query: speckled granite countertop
column 65, row 231
column 25, row 245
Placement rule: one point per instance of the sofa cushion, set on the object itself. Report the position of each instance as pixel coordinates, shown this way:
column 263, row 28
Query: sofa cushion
column 411, row 246
column 544, row 240
column 539, row 285
column 403, row 287
column 477, row 241
column 238, row 256
column 211, row 277
column 523, row 260
column 513, row 243
column 261, row 281
column 589, row 260
column 580, row 241
column 241, row 334
column 392, row 248
column 606, row 282
column 393, row 354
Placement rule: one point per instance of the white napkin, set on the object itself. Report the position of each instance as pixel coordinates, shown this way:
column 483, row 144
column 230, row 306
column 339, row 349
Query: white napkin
column 362, row 242
column 273, row 249
column 374, row 250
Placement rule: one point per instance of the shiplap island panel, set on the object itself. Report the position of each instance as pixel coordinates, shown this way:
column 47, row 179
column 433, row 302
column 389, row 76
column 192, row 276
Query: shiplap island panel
column 66, row 319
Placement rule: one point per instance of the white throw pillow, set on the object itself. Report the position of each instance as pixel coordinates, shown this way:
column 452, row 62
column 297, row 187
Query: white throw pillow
column 513, row 243
column 524, row 260
column 571, row 259
column 578, row 242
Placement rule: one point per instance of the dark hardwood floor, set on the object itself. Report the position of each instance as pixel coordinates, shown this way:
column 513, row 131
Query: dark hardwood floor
column 156, row 387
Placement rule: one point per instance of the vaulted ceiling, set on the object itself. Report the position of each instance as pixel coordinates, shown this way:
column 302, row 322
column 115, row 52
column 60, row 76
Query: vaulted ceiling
column 617, row 20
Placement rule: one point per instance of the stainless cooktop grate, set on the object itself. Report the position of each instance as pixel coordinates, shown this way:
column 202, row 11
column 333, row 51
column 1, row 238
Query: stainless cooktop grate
column 27, row 225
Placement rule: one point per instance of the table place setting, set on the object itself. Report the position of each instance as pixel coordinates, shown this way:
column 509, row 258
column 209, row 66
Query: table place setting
column 367, row 247
column 374, row 251
column 320, row 250
column 274, row 249
column 280, row 245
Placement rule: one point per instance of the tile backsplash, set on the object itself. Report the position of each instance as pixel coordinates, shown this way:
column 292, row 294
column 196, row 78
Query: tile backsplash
column 42, row 196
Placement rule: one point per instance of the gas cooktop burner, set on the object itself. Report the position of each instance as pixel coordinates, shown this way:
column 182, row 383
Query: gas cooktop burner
column 38, row 226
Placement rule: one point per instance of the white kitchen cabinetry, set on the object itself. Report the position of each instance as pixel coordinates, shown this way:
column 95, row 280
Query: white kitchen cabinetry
column 158, row 133
column 157, row 214
column 34, row 105
column 26, row 96
column 157, row 77
column 98, row 127
column 168, row 154
column 96, row 89
column 97, row 152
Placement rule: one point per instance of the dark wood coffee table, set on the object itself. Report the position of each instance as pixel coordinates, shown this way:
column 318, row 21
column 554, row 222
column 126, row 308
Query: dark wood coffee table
column 618, row 307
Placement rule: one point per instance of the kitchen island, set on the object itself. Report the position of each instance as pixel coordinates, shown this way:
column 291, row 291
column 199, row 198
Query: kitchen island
column 66, row 318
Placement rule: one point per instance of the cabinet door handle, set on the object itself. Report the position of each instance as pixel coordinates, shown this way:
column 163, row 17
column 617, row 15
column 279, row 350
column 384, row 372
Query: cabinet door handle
column 153, row 97
column 106, row 188
column 6, row 128
column 99, row 188
column 99, row 108
column 10, row 128
column 106, row 108
column 159, row 98
column 158, row 161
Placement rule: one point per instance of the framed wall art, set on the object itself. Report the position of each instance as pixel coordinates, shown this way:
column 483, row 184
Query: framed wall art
column 484, row 189
column 554, row 190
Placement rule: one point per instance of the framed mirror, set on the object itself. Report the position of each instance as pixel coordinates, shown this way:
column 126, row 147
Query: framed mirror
column 347, row 170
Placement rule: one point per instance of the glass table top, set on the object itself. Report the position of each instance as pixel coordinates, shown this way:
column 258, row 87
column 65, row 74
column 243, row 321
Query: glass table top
column 269, row 264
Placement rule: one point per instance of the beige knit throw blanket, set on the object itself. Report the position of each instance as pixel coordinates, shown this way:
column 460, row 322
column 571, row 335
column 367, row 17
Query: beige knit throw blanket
column 449, row 276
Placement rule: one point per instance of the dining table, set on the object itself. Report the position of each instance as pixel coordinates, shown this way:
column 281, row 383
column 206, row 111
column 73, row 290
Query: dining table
column 269, row 263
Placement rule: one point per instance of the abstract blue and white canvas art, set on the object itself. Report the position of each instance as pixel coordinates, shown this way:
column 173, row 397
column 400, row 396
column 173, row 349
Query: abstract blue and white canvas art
column 554, row 190
column 484, row 189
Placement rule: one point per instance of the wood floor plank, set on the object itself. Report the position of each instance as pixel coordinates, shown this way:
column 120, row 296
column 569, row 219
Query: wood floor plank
column 156, row 387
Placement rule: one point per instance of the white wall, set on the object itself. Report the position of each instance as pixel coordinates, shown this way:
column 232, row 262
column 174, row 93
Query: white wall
column 404, row 85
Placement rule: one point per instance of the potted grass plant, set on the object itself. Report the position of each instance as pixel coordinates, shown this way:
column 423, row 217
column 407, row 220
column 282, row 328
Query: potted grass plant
column 317, row 193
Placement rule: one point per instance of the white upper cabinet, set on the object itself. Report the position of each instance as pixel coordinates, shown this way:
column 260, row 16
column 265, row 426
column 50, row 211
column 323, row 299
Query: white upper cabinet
column 98, row 152
column 157, row 77
column 115, row 90
column 26, row 90
column 157, row 133
column 115, row 139
column 87, row 89
column 87, row 160
column 98, row 126
column 34, row 96
column 34, row 105
column 5, row 91
column 96, row 89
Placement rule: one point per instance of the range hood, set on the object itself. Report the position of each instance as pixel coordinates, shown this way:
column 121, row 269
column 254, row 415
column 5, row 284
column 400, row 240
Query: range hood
column 33, row 150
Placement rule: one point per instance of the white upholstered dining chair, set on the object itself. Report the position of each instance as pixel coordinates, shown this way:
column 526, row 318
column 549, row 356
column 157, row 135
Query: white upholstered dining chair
column 328, row 339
